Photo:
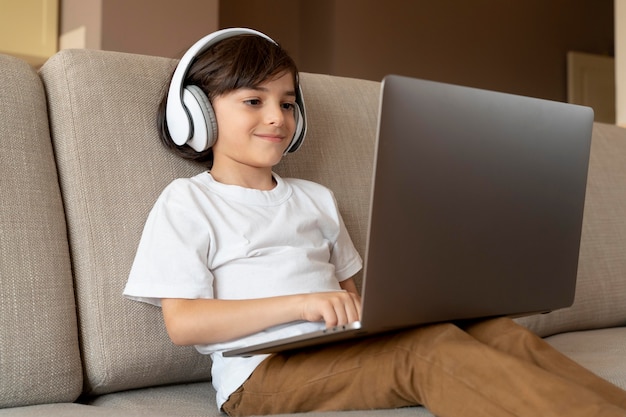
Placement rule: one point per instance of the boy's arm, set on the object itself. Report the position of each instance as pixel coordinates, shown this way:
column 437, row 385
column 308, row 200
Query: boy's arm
column 350, row 286
column 206, row 321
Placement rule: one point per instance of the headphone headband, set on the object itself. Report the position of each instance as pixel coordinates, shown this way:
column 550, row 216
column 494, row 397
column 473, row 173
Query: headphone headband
column 189, row 115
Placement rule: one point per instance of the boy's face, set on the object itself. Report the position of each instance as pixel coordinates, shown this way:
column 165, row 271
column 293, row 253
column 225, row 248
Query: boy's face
column 255, row 126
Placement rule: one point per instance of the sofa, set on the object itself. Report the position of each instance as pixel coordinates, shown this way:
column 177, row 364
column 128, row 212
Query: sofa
column 80, row 167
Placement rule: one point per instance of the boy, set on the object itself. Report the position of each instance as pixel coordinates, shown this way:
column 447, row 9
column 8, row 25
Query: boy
column 237, row 255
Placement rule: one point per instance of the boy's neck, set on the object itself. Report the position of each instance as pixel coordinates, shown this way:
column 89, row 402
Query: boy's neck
column 254, row 178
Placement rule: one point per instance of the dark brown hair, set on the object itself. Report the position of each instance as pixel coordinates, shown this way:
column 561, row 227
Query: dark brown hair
column 243, row 61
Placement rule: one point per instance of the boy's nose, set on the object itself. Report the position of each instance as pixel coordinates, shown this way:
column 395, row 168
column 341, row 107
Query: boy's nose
column 275, row 116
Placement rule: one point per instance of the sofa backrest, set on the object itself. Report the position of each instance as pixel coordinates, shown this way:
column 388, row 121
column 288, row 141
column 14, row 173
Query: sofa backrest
column 112, row 168
column 39, row 355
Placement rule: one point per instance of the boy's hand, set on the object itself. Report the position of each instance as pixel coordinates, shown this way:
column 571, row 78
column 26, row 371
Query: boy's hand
column 334, row 308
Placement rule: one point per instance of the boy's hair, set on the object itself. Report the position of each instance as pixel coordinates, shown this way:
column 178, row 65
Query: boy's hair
column 243, row 61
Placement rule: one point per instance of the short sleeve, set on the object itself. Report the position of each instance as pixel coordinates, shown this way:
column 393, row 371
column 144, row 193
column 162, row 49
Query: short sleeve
column 172, row 256
column 344, row 255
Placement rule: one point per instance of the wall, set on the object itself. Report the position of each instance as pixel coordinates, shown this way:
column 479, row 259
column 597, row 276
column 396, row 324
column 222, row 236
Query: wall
column 517, row 46
column 162, row 28
column 279, row 19
column 85, row 15
column 29, row 29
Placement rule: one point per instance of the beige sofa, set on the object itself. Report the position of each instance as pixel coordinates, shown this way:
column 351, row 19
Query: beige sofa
column 81, row 165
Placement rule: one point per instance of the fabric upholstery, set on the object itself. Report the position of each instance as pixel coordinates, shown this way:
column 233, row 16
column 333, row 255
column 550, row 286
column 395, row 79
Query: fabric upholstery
column 601, row 350
column 601, row 283
column 112, row 168
column 77, row 410
column 39, row 356
column 191, row 400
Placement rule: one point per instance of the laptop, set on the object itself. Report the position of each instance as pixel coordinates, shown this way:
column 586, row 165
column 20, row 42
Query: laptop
column 476, row 209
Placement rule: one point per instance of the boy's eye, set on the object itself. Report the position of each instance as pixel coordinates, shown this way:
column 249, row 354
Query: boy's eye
column 289, row 106
column 253, row 101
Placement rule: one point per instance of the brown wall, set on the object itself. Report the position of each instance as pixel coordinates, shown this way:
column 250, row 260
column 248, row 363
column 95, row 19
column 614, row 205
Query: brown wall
column 517, row 46
column 163, row 27
column 85, row 13
column 151, row 27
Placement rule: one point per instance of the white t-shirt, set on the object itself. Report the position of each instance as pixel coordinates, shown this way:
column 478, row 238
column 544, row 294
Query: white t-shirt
column 204, row 239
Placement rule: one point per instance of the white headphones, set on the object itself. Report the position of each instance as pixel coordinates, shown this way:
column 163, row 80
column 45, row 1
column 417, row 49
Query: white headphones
column 189, row 115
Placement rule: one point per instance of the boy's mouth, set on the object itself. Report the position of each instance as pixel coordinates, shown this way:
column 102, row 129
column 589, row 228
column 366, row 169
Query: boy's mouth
column 271, row 137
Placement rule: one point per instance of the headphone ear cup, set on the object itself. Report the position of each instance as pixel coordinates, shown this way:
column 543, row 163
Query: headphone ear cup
column 297, row 136
column 300, row 133
column 203, row 121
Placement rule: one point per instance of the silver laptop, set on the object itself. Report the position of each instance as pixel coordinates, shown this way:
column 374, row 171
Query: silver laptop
column 476, row 209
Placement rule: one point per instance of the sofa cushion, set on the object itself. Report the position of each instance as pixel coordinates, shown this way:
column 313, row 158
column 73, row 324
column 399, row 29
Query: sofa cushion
column 76, row 410
column 102, row 109
column 601, row 285
column 191, row 400
column 600, row 350
column 39, row 355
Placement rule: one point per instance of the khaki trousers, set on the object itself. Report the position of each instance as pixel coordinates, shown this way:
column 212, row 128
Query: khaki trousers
column 489, row 368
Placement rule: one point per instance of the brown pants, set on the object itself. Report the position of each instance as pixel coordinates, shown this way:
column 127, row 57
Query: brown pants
column 490, row 368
